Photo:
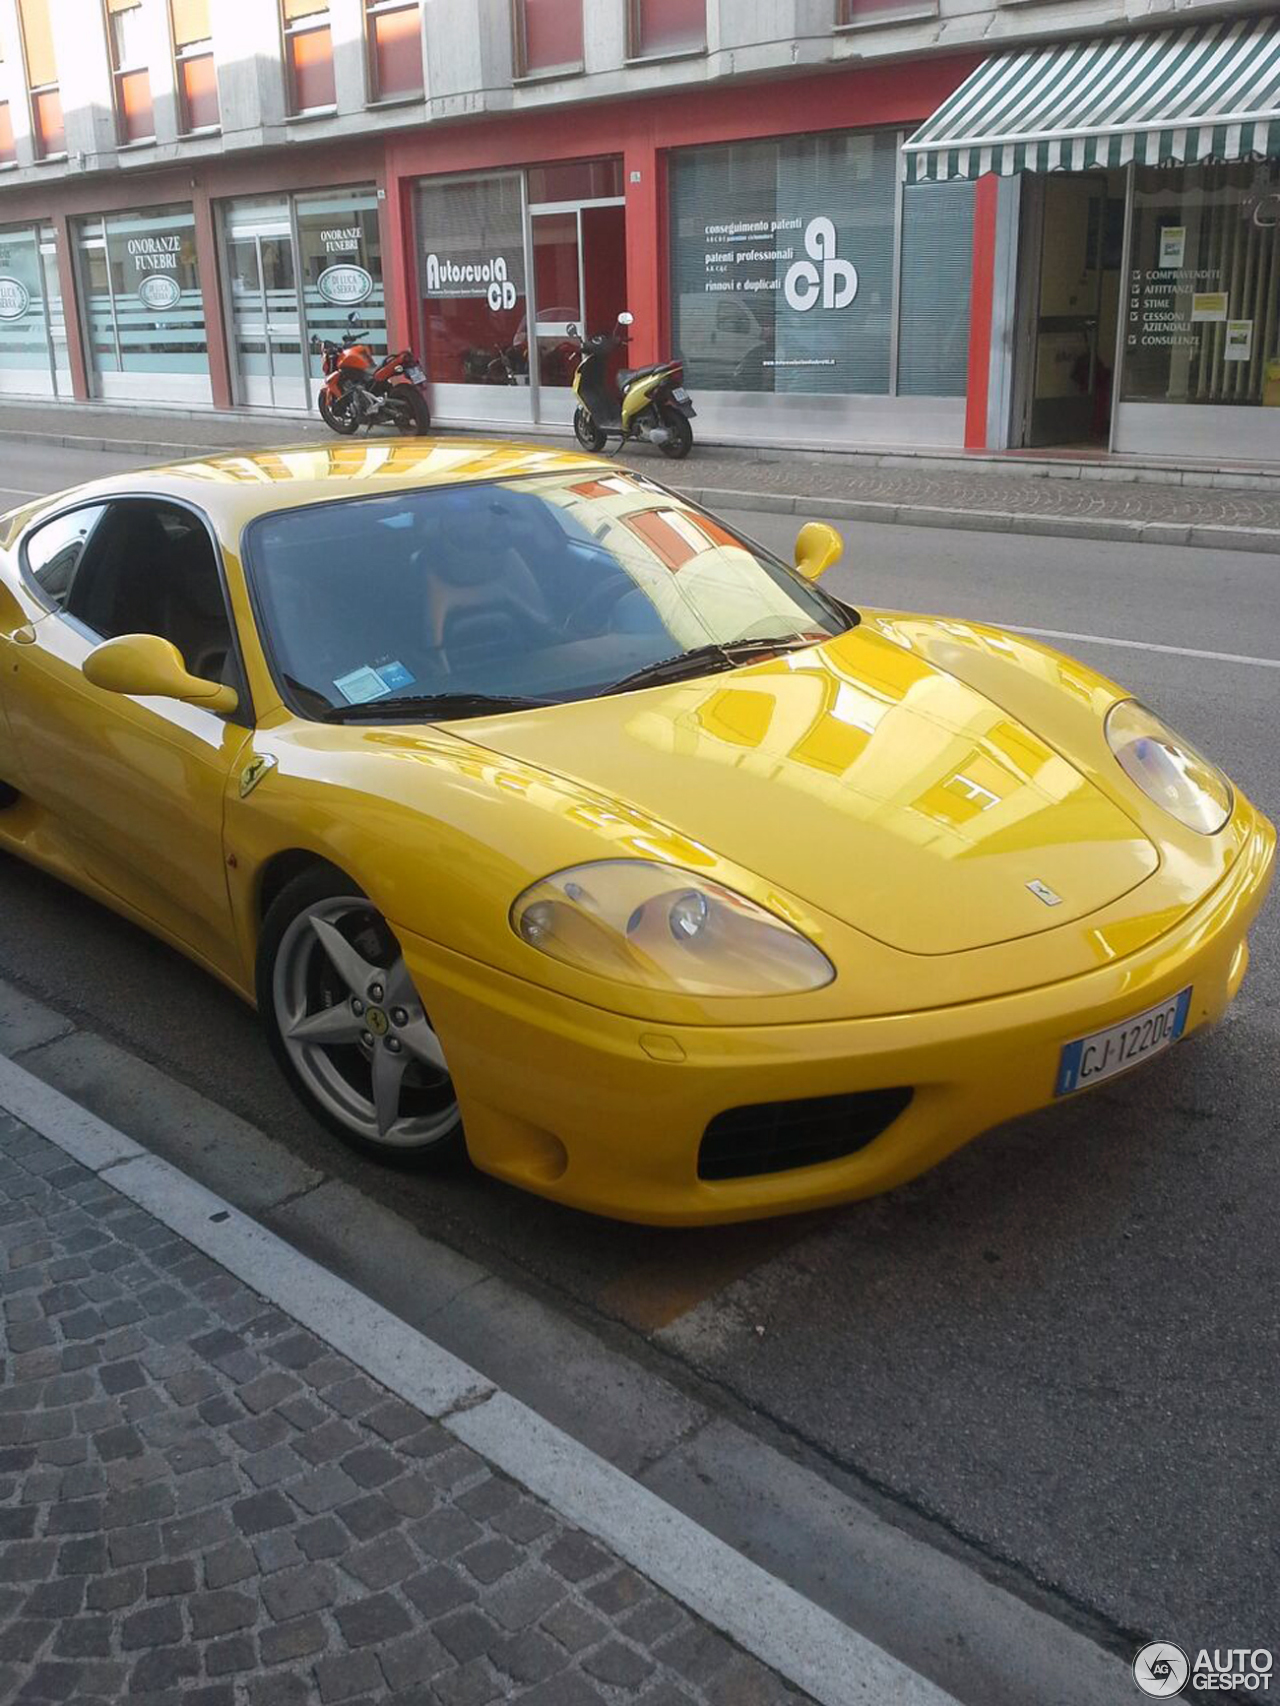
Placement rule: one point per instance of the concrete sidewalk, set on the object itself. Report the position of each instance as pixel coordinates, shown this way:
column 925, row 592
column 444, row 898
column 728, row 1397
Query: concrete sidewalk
column 1230, row 508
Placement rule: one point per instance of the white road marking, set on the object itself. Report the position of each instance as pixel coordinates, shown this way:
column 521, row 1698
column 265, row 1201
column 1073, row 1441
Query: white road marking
column 1140, row 645
column 19, row 492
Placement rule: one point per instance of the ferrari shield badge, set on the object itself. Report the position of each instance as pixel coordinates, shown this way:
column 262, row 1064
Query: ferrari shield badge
column 254, row 771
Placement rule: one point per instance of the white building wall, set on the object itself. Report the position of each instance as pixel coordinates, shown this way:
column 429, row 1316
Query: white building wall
column 469, row 71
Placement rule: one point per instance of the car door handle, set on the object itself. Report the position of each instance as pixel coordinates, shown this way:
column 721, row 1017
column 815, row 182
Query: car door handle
column 24, row 636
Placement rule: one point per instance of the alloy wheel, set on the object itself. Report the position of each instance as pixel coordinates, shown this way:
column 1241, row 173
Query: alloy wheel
column 355, row 1029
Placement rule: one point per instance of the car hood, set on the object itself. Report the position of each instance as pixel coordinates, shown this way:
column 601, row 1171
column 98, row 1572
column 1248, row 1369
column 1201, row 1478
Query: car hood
column 864, row 779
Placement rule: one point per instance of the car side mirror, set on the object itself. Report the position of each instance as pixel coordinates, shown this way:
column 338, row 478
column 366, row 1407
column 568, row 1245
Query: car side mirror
column 145, row 666
column 817, row 547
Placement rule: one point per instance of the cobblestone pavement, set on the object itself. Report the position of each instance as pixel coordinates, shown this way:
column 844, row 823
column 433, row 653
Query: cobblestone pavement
column 201, row 1502
column 855, row 478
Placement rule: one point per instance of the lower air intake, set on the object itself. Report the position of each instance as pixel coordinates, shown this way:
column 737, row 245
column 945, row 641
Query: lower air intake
column 772, row 1137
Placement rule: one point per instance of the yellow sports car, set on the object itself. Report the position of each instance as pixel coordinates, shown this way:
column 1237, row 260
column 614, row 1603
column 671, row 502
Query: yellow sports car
column 530, row 802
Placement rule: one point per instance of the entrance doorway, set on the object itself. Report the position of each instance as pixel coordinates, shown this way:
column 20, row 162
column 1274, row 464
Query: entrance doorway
column 579, row 280
column 1069, row 291
column 266, row 324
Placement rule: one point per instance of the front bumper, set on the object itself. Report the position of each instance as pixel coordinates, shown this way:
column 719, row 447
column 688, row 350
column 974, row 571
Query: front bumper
column 606, row 1113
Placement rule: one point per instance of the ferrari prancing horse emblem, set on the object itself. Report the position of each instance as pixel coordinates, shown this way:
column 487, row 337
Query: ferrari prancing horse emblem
column 254, row 771
column 1043, row 892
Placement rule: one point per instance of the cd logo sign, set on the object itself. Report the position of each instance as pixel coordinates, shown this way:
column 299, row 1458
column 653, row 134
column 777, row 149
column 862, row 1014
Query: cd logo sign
column 15, row 299
column 159, row 292
column 836, row 283
column 344, row 284
column 1161, row 1669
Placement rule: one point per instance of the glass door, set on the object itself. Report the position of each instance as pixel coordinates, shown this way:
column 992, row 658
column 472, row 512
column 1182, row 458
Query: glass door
column 1075, row 332
column 558, row 293
column 267, row 333
column 579, row 279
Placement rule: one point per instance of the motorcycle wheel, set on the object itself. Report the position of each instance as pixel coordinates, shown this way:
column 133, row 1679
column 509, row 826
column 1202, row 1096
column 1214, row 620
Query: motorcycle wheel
column 680, row 443
column 342, row 419
column 588, row 434
column 414, row 413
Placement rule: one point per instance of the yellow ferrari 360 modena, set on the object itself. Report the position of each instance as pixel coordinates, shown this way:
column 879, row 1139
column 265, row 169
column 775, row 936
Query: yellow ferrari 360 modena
column 542, row 815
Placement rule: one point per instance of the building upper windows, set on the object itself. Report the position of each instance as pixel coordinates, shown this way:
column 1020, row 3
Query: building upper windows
column 48, row 131
column 8, row 153
column 661, row 27
column 308, row 53
column 548, row 36
column 851, row 12
column 135, row 114
column 196, row 74
column 393, row 33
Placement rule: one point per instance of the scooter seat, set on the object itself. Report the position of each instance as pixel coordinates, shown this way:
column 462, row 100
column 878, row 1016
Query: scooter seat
column 629, row 375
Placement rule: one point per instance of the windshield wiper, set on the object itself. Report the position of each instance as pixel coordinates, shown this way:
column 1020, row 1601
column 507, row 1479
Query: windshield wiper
column 706, row 660
column 432, row 706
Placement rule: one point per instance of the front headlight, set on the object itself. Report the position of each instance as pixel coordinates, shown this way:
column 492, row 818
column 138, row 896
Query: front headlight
column 642, row 922
column 1167, row 769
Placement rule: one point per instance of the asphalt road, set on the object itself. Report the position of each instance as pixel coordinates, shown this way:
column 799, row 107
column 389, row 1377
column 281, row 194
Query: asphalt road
column 1062, row 1345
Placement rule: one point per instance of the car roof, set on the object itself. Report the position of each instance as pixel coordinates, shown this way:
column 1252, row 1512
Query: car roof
column 233, row 487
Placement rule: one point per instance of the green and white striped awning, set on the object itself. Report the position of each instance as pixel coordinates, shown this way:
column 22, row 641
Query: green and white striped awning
column 1209, row 92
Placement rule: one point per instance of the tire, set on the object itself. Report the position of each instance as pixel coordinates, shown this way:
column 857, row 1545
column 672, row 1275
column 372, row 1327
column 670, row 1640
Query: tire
column 319, row 922
column 342, row 421
column 416, row 412
column 588, row 434
column 678, row 446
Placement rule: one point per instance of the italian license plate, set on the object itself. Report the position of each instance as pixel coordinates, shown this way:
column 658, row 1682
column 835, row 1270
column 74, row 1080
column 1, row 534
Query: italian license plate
column 416, row 374
column 1090, row 1059
column 680, row 394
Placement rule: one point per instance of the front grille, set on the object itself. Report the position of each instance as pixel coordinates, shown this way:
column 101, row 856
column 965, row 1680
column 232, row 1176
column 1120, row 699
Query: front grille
column 772, row 1137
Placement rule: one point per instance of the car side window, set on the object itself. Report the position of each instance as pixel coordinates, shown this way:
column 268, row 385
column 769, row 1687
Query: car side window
column 53, row 551
column 151, row 569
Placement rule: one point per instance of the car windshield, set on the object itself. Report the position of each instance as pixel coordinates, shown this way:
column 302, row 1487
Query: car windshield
column 540, row 589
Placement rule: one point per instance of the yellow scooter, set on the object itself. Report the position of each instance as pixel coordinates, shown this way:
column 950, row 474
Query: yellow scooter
column 646, row 402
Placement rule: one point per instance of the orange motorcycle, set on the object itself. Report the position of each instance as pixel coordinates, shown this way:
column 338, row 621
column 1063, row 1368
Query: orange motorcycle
column 362, row 390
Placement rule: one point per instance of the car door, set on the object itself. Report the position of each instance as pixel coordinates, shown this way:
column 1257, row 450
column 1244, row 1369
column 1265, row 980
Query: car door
column 135, row 786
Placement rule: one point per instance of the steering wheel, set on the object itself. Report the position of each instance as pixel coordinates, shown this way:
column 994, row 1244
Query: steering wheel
column 587, row 617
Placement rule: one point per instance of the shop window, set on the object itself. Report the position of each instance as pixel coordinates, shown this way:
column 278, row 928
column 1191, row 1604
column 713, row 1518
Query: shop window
column 8, row 154
column 937, row 270
column 471, row 276
column 782, row 263
column 135, row 117
column 25, row 357
column 548, row 36
column 393, row 32
column 143, row 303
column 576, row 180
column 340, row 263
column 308, row 49
column 196, row 72
column 1202, row 320
column 659, row 27
column 852, row 12
column 42, row 79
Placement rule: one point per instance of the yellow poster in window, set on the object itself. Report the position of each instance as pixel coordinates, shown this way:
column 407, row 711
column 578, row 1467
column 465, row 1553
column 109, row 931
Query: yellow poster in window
column 1209, row 305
